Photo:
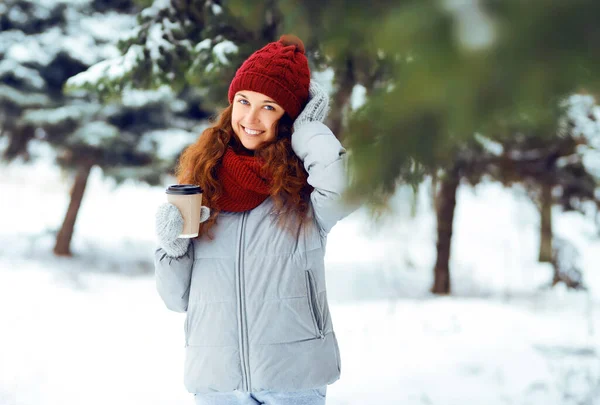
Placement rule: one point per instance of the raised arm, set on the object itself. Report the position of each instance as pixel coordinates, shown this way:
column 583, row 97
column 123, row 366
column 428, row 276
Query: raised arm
column 324, row 159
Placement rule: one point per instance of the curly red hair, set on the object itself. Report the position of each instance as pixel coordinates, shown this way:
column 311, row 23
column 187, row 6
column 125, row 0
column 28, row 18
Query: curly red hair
column 199, row 162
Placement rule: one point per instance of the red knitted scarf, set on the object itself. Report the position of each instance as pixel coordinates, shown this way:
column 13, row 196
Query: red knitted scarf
column 243, row 186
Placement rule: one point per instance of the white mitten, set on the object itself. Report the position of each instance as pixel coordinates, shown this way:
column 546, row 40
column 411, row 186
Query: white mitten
column 317, row 107
column 169, row 224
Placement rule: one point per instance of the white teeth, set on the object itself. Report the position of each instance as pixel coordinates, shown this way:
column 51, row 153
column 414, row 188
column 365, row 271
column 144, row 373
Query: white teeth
column 251, row 131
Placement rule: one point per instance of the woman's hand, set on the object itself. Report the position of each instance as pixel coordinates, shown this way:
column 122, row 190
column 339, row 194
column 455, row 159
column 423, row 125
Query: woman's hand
column 317, row 107
column 169, row 225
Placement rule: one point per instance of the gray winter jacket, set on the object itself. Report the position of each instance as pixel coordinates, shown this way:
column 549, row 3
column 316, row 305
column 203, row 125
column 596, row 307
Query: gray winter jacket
column 255, row 296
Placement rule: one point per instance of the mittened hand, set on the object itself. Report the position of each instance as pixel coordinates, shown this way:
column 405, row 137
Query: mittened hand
column 317, row 107
column 169, row 223
column 168, row 226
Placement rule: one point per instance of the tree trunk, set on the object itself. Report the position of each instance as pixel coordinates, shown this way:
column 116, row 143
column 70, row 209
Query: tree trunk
column 63, row 239
column 546, row 224
column 344, row 81
column 446, row 202
column 19, row 138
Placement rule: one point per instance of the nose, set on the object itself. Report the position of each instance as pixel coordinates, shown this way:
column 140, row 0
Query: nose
column 252, row 116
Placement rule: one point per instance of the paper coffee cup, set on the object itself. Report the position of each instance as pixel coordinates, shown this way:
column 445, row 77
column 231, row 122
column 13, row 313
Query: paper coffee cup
column 188, row 199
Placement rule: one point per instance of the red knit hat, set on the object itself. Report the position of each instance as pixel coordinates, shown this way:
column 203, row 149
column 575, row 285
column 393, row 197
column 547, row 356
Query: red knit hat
column 278, row 70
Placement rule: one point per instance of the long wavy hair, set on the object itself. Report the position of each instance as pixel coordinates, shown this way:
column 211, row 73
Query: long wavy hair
column 199, row 163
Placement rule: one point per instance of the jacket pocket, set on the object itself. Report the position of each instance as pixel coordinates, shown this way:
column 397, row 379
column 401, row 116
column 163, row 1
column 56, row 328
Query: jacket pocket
column 313, row 304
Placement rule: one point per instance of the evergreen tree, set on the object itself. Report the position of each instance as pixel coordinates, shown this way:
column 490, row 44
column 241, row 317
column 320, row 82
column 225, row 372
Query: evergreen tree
column 498, row 68
column 185, row 43
column 42, row 45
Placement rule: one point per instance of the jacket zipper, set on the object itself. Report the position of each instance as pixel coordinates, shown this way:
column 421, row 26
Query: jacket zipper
column 243, row 326
column 185, row 328
column 314, row 305
column 186, row 325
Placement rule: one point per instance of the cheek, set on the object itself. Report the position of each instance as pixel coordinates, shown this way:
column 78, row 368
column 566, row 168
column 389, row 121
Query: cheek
column 273, row 127
column 235, row 118
column 271, row 122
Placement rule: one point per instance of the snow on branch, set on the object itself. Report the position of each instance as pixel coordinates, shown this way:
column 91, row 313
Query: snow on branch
column 582, row 121
column 108, row 70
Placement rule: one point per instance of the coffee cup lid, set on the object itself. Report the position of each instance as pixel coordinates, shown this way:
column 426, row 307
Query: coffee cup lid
column 184, row 189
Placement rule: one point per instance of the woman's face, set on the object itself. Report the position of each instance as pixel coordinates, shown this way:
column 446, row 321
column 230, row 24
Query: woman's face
column 254, row 118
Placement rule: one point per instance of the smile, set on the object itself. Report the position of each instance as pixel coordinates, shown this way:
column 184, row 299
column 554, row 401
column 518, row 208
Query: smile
column 252, row 132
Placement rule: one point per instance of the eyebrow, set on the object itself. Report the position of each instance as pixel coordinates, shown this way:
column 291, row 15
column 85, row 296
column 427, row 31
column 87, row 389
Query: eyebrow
column 264, row 101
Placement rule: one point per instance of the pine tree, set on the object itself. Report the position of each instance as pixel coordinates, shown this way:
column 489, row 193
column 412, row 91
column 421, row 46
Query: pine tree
column 500, row 69
column 185, row 43
column 42, row 45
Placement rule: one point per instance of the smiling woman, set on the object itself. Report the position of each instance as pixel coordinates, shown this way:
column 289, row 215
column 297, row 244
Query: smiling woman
column 258, row 328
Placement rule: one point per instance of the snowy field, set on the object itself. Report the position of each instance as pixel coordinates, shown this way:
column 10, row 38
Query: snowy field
column 92, row 330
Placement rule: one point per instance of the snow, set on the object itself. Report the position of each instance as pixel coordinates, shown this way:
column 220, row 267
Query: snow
column 112, row 69
column 216, row 9
column 166, row 144
column 203, row 45
column 30, row 50
column 220, row 52
column 358, row 96
column 87, row 38
column 9, row 38
column 157, row 6
column 156, row 41
column 491, row 146
column 79, row 47
column 582, row 119
column 92, row 329
column 94, row 134
column 325, row 79
column 108, row 27
column 474, row 28
column 53, row 3
column 43, row 10
column 139, row 98
column 57, row 115
column 222, row 49
column 17, row 15
column 27, row 75
column 583, row 114
column 160, row 39
column 24, row 100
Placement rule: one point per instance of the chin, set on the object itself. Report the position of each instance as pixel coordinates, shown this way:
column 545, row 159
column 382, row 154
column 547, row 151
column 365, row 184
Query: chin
column 250, row 147
column 250, row 144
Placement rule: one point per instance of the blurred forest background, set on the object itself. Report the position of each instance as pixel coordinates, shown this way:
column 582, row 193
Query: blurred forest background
column 468, row 102
column 455, row 91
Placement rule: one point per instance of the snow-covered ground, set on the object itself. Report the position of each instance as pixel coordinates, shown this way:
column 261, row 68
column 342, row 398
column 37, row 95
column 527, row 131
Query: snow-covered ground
column 92, row 329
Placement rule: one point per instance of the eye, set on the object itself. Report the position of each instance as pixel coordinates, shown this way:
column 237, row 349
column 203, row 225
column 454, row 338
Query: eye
column 243, row 101
column 270, row 108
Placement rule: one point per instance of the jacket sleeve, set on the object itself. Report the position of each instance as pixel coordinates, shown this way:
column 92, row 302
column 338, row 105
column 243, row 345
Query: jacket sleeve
column 173, row 277
column 325, row 160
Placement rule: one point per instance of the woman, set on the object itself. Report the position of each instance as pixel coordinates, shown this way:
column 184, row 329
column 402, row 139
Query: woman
column 258, row 328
